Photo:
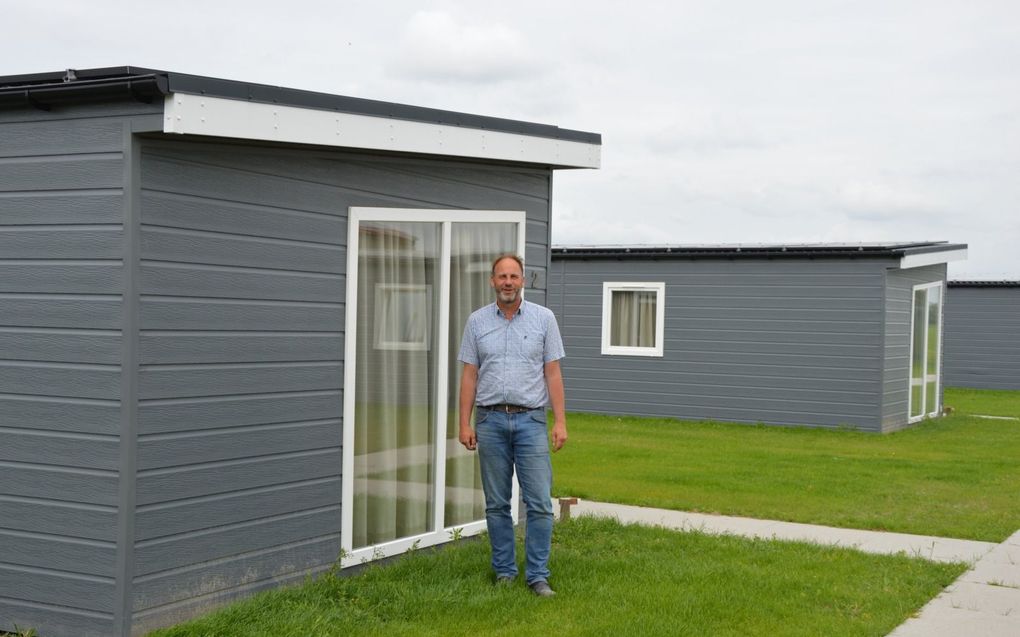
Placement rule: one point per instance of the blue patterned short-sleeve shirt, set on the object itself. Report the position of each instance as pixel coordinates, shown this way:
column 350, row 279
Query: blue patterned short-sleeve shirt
column 511, row 355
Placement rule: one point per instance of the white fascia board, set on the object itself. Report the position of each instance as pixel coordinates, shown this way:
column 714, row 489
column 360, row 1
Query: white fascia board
column 186, row 114
column 931, row 258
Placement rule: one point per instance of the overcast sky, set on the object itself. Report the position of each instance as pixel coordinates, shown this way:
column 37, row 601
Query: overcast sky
column 784, row 121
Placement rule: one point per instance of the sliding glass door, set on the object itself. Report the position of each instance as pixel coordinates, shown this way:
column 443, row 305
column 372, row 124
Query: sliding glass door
column 414, row 276
column 925, row 351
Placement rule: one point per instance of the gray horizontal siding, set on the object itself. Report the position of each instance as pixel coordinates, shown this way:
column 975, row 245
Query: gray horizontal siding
column 784, row 341
column 251, row 346
column 62, row 137
column 195, row 481
column 178, row 415
column 254, row 282
column 173, row 518
column 166, row 553
column 237, row 442
column 50, row 413
column 32, row 515
column 70, row 172
column 184, row 313
column 242, row 313
column 177, row 595
column 51, row 482
column 55, row 619
column 91, row 311
column 982, row 337
column 81, row 207
column 86, row 451
column 88, row 557
column 59, row 379
column 60, row 277
column 67, row 346
column 896, row 374
column 187, row 381
column 61, row 242
column 61, row 280
column 30, row 585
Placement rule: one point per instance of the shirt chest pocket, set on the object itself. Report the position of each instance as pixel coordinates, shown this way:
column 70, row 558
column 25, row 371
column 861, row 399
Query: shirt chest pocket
column 530, row 347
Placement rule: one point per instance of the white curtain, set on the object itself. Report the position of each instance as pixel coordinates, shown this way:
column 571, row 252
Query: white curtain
column 396, row 368
column 395, row 384
column 473, row 247
column 632, row 319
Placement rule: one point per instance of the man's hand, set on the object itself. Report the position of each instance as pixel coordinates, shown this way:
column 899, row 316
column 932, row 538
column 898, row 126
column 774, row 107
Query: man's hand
column 468, row 385
column 467, row 437
column 559, row 435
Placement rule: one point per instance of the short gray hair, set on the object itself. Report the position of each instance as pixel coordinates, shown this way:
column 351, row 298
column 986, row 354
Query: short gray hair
column 507, row 255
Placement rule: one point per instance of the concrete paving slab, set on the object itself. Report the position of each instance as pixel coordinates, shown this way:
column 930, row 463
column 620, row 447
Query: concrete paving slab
column 1004, row 554
column 995, row 600
column 1013, row 540
column 932, row 548
column 935, row 549
column 995, row 573
column 958, row 623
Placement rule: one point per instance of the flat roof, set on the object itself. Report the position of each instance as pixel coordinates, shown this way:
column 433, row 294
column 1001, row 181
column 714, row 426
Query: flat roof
column 213, row 106
column 910, row 254
column 983, row 284
column 736, row 250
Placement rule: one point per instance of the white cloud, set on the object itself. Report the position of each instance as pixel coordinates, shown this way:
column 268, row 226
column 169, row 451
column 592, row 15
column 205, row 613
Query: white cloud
column 437, row 48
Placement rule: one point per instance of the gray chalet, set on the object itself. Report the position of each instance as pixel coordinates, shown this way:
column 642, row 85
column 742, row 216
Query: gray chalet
column 229, row 318
column 827, row 335
column 983, row 334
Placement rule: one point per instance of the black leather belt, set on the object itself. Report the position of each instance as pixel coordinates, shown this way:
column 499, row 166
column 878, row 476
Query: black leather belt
column 507, row 408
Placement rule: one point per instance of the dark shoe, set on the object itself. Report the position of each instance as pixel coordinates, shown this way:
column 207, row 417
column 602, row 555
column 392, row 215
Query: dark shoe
column 504, row 580
column 541, row 588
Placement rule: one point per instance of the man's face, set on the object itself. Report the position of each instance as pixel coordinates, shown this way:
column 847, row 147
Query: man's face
column 507, row 280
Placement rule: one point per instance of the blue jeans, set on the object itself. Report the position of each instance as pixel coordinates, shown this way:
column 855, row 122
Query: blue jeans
column 521, row 440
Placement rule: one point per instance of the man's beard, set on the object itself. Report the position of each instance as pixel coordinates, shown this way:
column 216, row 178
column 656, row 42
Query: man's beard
column 508, row 297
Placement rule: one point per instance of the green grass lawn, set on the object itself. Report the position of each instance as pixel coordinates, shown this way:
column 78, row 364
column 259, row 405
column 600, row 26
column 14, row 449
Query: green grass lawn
column 612, row 580
column 957, row 476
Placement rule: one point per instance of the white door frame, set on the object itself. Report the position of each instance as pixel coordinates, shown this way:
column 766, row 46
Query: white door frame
column 938, row 354
column 441, row 533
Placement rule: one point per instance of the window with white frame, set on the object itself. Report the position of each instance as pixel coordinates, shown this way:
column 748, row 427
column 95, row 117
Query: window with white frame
column 925, row 351
column 632, row 318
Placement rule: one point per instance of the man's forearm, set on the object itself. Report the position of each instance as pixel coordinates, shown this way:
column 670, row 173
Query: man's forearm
column 468, row 388
column 554, row 382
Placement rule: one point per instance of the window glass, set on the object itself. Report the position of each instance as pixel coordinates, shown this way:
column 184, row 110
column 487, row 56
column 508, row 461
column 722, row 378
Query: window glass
column 932, row 350
column 925, row 335
column 473, row 246
column 918, row 355
column 632, row 318
column 395, row 386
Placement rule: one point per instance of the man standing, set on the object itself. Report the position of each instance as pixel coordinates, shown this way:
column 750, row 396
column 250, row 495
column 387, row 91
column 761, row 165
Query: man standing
column 511, row 351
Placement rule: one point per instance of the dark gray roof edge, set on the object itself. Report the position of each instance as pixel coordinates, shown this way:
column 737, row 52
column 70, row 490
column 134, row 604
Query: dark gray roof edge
column 983, row 284
column 41, row 89
column 731, row 251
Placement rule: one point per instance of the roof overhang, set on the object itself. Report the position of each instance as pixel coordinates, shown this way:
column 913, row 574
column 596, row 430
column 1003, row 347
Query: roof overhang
column 945, row 254
column 198, row 105
column 907, row 255
column 186, row 114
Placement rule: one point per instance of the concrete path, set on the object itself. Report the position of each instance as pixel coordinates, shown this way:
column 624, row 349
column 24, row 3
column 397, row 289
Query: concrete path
column 983, row 602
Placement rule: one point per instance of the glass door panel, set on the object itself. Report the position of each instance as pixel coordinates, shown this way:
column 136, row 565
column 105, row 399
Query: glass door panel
column 473, row 246
column 925, row 346
column 917, row 355
column 931, row 378
column 395, row 385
